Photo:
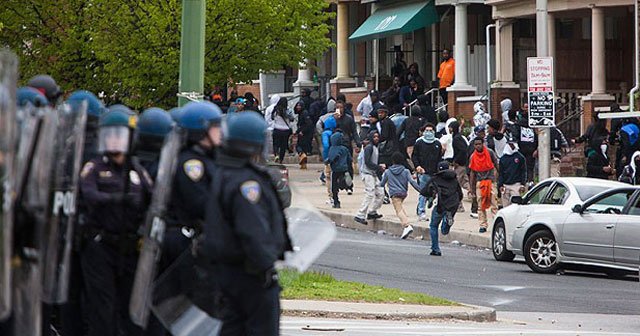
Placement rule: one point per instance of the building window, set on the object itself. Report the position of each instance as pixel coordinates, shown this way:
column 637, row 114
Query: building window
column 611, row 31
column 565, row 28
column 526, row 28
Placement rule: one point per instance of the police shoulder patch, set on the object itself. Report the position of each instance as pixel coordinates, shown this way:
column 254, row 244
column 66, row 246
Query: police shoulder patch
column 251, row 191
column 88, row 167
column 194, row 169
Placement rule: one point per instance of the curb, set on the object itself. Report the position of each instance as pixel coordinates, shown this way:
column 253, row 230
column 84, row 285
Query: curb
column 395, row 228
column 466, row 313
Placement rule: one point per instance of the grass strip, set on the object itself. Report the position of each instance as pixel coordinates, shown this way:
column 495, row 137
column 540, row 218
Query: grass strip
column 322, row 286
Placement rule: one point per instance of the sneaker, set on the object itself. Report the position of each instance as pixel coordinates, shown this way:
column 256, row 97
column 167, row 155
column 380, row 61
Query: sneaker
column 386, row 200
column 450, row 220
column 336, row 205
column 406, row 232
column 482, row 230
column 423, row 218
column 360, row 220
column 474, row 215
column 435, row 253
column 329, row 201
column 374, row 215
column 349, row 192
column 322, row 179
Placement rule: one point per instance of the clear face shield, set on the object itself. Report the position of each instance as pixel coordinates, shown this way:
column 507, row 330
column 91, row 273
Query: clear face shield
column 114, row 139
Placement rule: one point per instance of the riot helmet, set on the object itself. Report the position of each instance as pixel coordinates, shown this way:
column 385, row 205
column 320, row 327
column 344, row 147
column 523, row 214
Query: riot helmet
column 115, row 128
column 176, row 113
column 94, row 106
column 243, row 134
column 152, row 127
column 48, row 86
column 26, row 96
column 201, row 120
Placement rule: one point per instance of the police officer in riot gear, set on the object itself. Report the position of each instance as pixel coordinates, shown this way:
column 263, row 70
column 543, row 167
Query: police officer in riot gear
column 175, row 113
column 71, row 314
column 115, row 191
column 47, row 86
column 153, row 125
column 245, row 232
column 191, row 183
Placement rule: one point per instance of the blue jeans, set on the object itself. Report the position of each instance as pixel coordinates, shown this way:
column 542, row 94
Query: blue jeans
column 436, row 218
column 423, row 179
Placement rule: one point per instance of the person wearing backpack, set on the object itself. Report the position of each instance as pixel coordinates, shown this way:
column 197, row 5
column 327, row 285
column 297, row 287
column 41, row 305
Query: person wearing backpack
column 629, row 143
column 443, row 185
column 281, row 117
column 388, row 138
column 339, row 159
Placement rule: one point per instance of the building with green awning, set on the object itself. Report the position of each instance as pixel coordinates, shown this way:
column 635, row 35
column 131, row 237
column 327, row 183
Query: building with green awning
column 398, row 19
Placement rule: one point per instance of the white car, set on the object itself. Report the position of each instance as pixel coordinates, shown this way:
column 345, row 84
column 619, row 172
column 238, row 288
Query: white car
column 546, row 208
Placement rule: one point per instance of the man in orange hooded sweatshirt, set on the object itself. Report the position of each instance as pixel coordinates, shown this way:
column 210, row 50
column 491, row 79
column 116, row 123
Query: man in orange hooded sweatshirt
column 483, row 166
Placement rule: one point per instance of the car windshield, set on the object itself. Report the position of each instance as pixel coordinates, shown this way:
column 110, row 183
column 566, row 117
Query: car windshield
column 587, row 191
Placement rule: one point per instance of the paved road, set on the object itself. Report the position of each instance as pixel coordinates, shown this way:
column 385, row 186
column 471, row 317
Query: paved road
column 472, row 276
column 569, row 325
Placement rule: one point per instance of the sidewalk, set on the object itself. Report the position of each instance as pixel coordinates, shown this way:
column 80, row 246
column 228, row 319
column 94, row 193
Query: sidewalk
column 380, row 311
column 306, row 182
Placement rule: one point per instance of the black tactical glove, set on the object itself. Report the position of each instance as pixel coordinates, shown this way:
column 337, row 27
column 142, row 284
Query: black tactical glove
column 269, row 278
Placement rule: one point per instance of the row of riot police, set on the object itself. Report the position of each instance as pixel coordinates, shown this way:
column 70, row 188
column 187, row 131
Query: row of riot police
column 118, row 224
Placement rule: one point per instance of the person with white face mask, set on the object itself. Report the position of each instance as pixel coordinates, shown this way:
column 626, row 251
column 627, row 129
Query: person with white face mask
column 513, row 172
column 427, row 153
column 598, row 164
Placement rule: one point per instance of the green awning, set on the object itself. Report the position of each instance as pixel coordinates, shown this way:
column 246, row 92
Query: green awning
column 395, row 20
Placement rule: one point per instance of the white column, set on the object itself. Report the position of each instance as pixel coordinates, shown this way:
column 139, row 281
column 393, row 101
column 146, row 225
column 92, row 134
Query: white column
column 343, row 40
column 504, row 52
column 598, row 65
column 460, row 49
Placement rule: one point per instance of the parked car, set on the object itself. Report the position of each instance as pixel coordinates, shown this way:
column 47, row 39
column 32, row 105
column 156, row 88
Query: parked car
column 601, row 231
column 548, row 197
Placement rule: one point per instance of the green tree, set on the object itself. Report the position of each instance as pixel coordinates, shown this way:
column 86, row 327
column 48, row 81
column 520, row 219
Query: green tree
column 129, row 49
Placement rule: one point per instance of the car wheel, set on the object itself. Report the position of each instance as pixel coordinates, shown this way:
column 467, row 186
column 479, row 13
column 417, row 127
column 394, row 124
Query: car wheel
column 499, row 243
column 541, row 252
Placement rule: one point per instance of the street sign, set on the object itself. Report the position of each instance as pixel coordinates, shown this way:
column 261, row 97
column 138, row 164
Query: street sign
column 540, row 78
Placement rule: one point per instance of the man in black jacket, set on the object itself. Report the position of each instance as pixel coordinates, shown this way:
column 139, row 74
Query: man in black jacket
column 445, row 186
column 460, row 157
column 427, row 153
column 388, row 139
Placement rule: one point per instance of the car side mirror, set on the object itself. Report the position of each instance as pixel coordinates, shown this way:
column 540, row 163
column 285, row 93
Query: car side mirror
column 577, row 209
column 517, row 200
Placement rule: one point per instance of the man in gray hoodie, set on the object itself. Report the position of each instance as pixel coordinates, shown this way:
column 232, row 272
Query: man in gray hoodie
column 370, row 172
column 399, row 179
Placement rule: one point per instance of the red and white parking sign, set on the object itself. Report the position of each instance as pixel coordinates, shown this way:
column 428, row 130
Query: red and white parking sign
column 540, row 78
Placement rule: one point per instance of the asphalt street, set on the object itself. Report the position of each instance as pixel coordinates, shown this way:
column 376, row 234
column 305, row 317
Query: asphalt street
column 471, row 275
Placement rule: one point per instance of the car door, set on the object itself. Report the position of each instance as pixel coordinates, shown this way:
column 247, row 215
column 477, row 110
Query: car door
column 589, row 234
column 626, row 242
column 532, row 200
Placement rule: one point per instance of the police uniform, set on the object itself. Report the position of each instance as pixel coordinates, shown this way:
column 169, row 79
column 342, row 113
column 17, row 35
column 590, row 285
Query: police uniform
column 116, row 197
column 243, row 235
column 188, row 199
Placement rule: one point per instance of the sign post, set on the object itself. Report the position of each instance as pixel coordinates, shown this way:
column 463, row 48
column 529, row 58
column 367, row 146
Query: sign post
column 540, row 92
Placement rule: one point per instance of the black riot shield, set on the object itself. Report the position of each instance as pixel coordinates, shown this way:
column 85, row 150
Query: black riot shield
column 8, row 143
column 310, row 231
column 154, row 228
column 32, row 203
column 57, row 240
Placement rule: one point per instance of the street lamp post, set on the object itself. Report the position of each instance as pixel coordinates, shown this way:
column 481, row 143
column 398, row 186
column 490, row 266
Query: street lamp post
column 542, row 50
column 191, row 82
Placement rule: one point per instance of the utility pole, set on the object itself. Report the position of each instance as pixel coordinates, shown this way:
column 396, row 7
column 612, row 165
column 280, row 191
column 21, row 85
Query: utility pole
column 542, row 50
column 191, row 81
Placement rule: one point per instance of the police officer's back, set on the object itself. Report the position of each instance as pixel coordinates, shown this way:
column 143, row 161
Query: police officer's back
column 115, row 191
column 244, row 232
column 153, row 125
